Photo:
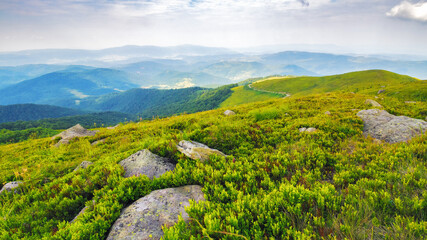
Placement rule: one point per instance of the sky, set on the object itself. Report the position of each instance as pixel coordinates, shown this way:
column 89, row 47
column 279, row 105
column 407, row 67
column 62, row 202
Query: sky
column 359, row 26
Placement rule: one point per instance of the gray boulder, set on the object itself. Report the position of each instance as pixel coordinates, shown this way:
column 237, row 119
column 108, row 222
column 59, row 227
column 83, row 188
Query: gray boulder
column 229, row 113
column 83, row 165
column 384, row 126
column 11, row 186
column 373, row 103
column 195, row 150
column 146, row 163
column 327, row 113
column 98, row 142
column 73, row 132
column 144, row 218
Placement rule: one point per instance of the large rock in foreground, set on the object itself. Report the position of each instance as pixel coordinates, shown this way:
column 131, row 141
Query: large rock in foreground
column 145, row 217
column 382, row 125
column 146, row 163
column 195, row 150
column 11, row 186
column 73, row 132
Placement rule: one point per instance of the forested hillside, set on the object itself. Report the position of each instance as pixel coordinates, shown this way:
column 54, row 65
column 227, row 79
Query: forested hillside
column 25, row 112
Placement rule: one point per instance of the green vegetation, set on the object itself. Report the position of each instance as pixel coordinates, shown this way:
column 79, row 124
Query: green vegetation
column 8, row 136
column 87, row 120
column 366, row 82
column 276, row 183
column 243, row 94
column 26, row 112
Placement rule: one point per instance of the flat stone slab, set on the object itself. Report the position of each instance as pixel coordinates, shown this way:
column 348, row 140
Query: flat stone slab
column 195, row 150
column 146, row 163
column 384, row 126
column 144, row 218
column 11, row 186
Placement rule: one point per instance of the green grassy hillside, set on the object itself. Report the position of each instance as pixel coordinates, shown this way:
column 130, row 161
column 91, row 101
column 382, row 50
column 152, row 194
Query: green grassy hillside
column 276, row 183
column 367, row 82
column 243, row 94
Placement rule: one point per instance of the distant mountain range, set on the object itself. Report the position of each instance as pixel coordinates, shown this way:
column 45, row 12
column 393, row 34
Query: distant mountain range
column 71, row 84
column 26, row 112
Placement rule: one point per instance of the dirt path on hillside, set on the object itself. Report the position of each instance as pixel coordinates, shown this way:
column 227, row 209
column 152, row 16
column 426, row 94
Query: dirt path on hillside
column 261, row 90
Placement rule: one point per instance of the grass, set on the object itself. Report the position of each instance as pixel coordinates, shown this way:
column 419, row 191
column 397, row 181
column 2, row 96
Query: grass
column 366, row 82
column 243, row 94
column 275, row 183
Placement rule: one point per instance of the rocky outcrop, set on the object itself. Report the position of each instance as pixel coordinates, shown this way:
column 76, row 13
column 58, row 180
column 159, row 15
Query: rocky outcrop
column 111, row 128
column 229, row 113
column 81, row 212
column 195, row 150
column 384, row 126
column 373, row 103
column 11, row 186
column 83, row 165
column 380, row 91
column 73, row 132
column 327, row 113
column 146, row 163
column 144, row 218
column 307, row 130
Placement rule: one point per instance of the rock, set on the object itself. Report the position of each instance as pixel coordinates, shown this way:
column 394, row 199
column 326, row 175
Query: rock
column 73, row 132
column 384, row 126
column 10, row 186
column 308, row 130
column 98, row 142
column 373, row 103
column 328, row 113
column 110, row 128
column 144, row 218
column 410, row 102
column 229, row 113
column 376, row 97
column 83, row 165
column 195, row 150
column 380, row 91
column 146, row 163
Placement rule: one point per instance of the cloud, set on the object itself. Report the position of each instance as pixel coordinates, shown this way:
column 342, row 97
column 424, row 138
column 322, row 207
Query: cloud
column 414, row 11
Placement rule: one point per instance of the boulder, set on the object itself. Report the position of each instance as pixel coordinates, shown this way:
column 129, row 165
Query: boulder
column 384, row 126
column 195, row 150
column 229, row 113
column 373, row 103
column 83, row 165
column 327, row 113
column 146, row 163
column 380, row 91
column 10, row 186
column 144, row 218
column 308, row 130
column 73, row 132
column 410, row 102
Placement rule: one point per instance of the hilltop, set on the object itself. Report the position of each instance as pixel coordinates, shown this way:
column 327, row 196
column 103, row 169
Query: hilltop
column 366, row 82
column 276, row 180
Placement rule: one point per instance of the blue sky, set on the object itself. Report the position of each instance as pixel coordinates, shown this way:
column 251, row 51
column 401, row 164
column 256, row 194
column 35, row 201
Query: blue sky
column 365, row 26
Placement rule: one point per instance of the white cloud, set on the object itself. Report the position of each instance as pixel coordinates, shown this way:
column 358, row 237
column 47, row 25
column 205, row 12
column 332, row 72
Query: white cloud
column 415, row 11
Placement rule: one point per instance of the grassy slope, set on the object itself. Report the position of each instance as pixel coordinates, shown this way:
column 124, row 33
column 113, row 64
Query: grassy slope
column 367, row 82
column 275, row 182
column 243, row 94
